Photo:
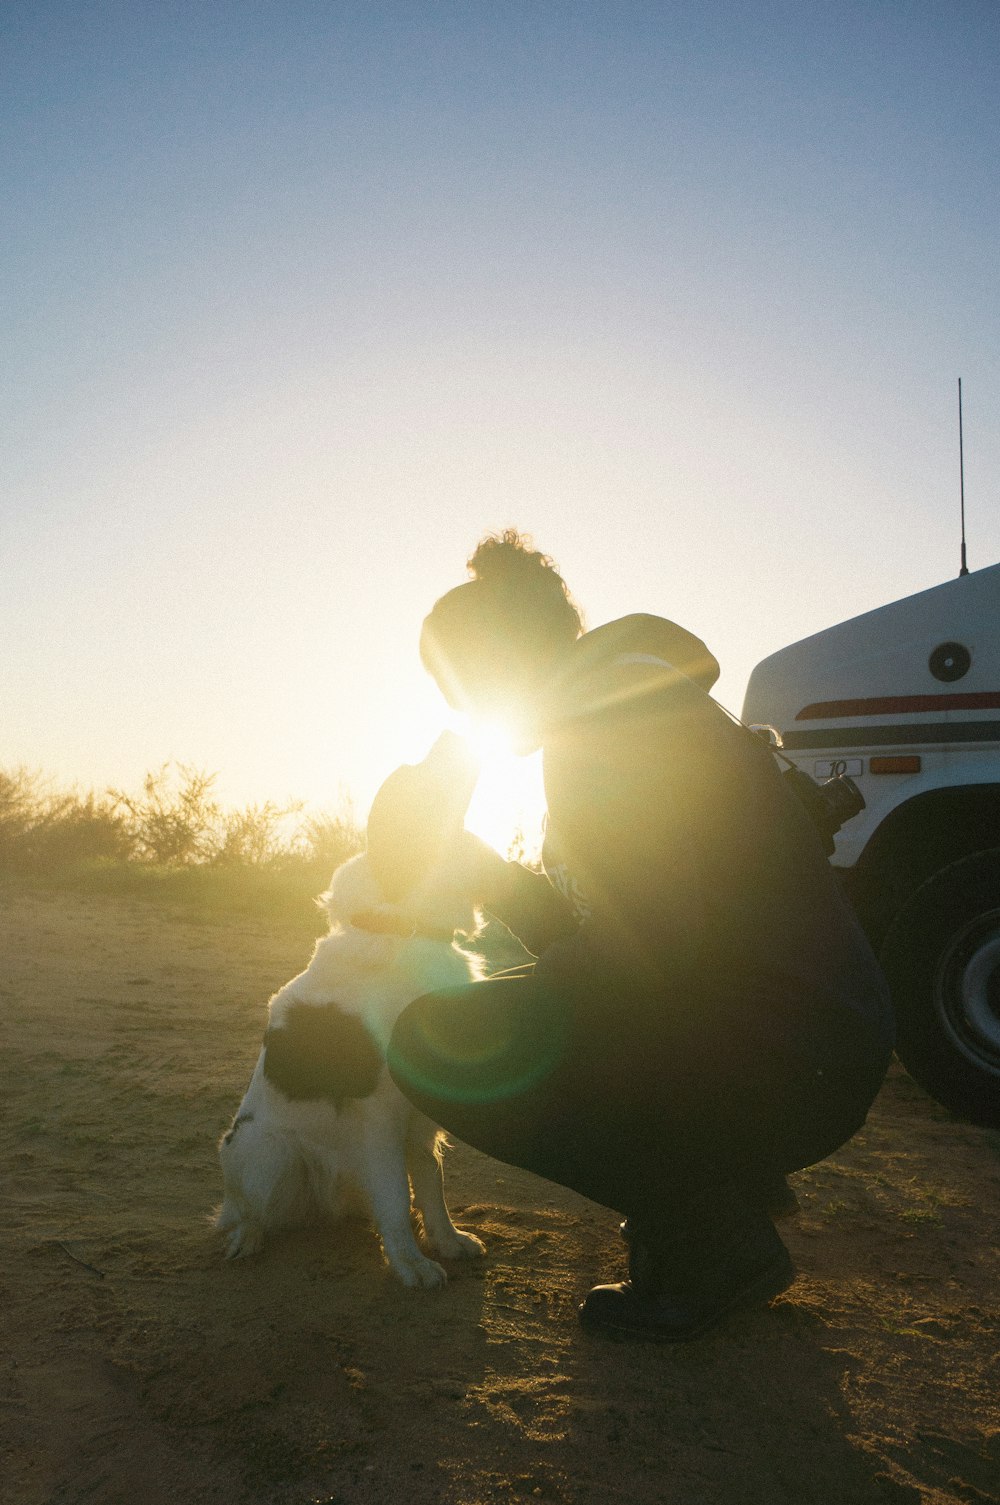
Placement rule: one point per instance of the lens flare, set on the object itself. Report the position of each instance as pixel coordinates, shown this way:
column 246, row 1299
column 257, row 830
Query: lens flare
column 459, row 1046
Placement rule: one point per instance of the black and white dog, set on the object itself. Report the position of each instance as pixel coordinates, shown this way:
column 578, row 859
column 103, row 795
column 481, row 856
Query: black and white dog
column 322, row 1129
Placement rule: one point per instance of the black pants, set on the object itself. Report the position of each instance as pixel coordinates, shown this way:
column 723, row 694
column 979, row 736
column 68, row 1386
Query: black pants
column 641, row 1104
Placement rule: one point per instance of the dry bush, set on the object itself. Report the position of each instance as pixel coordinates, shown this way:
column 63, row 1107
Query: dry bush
column 323, row 841
column 21, row 796
column 78, row 829
column 174, row 821
column 256, row 836
column 173, row 824
column 45, row 831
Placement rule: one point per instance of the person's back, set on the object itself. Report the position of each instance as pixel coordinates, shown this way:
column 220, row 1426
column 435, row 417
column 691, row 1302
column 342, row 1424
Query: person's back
column 676, row 827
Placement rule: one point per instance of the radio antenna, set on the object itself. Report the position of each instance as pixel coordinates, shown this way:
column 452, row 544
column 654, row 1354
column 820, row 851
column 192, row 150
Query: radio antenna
column 961, row 477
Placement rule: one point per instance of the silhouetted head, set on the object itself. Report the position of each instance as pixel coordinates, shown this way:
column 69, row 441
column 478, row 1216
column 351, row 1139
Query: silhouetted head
column 492, row 643
column 415, row 818
column 411, row 873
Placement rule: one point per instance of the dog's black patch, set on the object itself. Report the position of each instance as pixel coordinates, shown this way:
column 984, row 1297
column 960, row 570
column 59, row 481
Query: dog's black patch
column 241, row 1118
column 320, row 1052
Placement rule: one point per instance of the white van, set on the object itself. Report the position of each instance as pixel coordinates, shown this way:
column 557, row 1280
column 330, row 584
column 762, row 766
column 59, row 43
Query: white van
column 906, row 701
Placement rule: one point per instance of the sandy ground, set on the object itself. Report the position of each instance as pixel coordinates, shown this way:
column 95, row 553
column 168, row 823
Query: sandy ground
column 138, row 1366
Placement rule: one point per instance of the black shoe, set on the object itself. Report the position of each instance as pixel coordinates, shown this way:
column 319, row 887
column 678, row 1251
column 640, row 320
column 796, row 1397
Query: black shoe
column 716, row 1253
column 631, row 1309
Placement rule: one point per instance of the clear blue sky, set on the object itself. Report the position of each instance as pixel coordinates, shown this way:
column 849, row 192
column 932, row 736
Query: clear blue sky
column 299, row 299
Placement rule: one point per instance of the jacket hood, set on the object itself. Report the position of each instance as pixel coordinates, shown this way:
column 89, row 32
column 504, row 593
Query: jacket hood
column 644, row 634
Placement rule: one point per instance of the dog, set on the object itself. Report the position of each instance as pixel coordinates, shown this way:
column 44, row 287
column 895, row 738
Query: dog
column 323, row 1130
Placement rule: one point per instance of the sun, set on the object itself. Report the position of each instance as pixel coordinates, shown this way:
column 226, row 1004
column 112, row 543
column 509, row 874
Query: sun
column 491, row 739
column 508, row 806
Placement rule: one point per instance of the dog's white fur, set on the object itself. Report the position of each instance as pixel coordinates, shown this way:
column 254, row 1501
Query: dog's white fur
column 286, row 1162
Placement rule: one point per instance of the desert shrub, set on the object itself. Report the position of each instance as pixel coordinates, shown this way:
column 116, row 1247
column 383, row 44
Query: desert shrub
column 42, row 830
column 174, row 821
column 172, row 840
column 75, row 829
column 325, row 840
column 256, row 836
column 21, row 795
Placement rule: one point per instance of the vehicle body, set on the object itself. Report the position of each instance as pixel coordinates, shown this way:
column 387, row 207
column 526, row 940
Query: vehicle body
column 906, row 700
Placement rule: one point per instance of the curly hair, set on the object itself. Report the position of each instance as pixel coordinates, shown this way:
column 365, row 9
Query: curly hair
column 514, row 614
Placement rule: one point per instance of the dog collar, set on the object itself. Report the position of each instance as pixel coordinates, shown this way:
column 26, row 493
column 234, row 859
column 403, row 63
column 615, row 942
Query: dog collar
column 385, row 922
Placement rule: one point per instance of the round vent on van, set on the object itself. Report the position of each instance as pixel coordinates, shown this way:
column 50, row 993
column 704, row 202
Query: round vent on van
column 950, row 661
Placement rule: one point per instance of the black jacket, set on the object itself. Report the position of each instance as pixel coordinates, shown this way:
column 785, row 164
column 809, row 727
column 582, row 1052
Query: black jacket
column 683, row 859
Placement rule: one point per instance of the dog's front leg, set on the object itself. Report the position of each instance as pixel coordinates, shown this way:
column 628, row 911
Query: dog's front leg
column 387, row 1188
column 424, row 1164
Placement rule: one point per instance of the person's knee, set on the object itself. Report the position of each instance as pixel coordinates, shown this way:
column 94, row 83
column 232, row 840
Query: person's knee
column 483, row 1043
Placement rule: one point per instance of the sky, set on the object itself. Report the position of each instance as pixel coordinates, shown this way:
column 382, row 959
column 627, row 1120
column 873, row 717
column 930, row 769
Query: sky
column 298, row 300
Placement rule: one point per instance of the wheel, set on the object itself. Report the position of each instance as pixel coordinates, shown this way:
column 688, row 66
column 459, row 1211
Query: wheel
column 941, row 956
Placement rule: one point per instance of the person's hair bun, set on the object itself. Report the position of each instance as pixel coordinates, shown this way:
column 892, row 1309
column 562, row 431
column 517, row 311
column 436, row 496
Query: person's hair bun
column 501, row 629
column 507, row 563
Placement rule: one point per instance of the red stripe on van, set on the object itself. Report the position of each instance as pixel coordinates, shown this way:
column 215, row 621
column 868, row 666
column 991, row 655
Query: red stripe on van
column 900, row 705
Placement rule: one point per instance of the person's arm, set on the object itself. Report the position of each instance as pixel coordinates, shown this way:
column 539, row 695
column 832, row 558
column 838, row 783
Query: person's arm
column 630, row 814
column 525, row 901
column 531, row 908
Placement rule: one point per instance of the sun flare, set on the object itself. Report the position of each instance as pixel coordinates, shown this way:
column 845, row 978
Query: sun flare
column 508, row 806
column 491, row 739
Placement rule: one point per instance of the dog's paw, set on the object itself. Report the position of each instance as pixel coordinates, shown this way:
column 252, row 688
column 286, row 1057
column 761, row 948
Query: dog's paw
column 459, row 1245
column 243, row 1240
column 419, row 1273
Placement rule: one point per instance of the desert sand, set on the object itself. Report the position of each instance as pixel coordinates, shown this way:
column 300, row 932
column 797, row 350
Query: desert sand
column 138, row 1366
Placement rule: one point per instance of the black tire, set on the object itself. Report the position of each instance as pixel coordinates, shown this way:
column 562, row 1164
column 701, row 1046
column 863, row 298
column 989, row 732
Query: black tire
column 942, row 958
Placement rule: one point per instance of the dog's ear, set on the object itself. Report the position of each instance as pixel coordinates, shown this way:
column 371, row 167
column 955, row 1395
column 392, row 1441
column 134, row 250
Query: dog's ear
column 415, row 814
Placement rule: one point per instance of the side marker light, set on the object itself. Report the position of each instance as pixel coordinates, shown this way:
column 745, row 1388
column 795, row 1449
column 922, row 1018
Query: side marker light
column 907, row 763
